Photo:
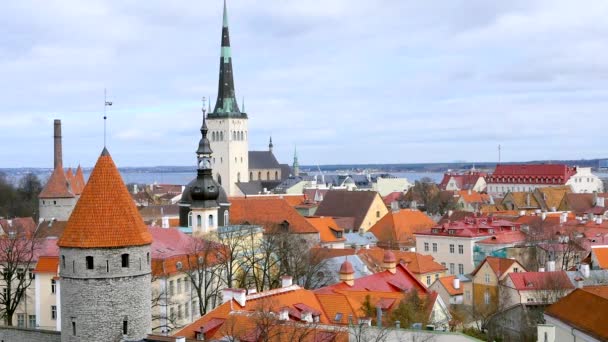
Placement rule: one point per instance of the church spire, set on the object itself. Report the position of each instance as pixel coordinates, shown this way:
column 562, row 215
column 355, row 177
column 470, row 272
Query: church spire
column 226, row 104
column 296, row 165
column 270, row 145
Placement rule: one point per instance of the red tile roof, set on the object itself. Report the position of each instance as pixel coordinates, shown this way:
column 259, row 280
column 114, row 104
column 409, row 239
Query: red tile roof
column 601, row 253
column 79, row 181
column 584, row 310
column 415, row 262
column 47, row 264
column 105, row 215
column 57, row 186
column 400, row 226
column 534, row 281
column 498, row 265
column 473, row 196
column 504, row 238
column 472, row 227
column 271, row 213
column 463, row 181
column 392, row 197
column 19, row 225
column 532, row 174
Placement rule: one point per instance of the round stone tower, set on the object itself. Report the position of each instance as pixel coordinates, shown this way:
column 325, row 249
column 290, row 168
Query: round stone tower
column 105, row 263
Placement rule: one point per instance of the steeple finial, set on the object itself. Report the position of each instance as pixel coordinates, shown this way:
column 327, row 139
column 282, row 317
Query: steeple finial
column 270, row 145
column 296, row 165
column 225, row 22
column 243, row 104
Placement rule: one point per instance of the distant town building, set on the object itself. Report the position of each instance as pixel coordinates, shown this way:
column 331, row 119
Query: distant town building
column 527, row 177
column 470, row 180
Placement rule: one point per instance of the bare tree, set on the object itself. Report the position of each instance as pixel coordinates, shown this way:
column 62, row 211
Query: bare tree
column 161, row 302
column 17, row 259
column 206, row 271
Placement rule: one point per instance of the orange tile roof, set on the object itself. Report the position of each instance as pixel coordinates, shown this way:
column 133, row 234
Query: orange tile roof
column 583, row 310
column 326, row 227
column 601, row 253
column 47, row 264
column 415, row 262
column 473, row 196
column 79, row 181
column 57, row 186
column 600, row 290
column 105, row 215
column 448, row 284
column 401, row 225
column 270, row 213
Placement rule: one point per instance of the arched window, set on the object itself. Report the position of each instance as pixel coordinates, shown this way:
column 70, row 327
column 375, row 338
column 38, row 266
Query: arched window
column 211, row 223
column 199, row 220
column 190, row 219
column 63, row 261
column 267, row 175
column 219, row 178
column 238, row 177
column 124, row 260
column 212, row 136
column 259, row 175
column 276, row 175
column 148, row 258
column 242, row 136
column 226, row 218
column 250, row 176
column 221, row 136
column 233, row 135
column 90, row 265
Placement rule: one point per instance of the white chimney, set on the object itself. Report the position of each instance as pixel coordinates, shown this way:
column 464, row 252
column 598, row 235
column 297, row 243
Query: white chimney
column 284, row 314
column 600, row 202
column 180, row 339
column 585, row 271
column 240, row 295
column 563, row 218
column 307, row 316
column 550, row 266
column 543, row 215
column 599, row 220
column 450, row 212
column 286, row 281
column 580, row 283
column 456, row 283
column 541, row 269
column 413, row 249
column 227, row 295
column 522, row 213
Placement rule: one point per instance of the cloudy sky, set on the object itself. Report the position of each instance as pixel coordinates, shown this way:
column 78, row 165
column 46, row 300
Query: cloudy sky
column 348, row 81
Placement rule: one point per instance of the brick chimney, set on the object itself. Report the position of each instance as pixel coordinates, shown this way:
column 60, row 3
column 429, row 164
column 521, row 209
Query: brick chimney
column 57, row 152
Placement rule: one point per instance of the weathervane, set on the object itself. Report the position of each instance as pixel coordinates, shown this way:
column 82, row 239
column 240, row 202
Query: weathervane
column 106, row 103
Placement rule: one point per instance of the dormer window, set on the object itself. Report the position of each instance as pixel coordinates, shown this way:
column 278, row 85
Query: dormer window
column 179, row 265
column 435, row 230
column 451, row 231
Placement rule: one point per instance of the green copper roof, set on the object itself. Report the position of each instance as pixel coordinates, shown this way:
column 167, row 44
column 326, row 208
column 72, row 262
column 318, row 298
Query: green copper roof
column 225, row 24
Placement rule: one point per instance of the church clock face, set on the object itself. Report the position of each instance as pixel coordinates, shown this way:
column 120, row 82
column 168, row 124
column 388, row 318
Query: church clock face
column 205, row 163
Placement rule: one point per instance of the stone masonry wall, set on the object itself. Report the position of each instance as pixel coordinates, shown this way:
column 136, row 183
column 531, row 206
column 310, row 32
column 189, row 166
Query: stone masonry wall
column 12, row 334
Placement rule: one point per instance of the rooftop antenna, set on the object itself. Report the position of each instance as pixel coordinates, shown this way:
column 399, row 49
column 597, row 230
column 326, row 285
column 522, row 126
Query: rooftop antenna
column 499, row 150
column 106, row 103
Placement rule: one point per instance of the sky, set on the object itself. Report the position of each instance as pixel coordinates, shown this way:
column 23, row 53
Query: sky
column 346, row 81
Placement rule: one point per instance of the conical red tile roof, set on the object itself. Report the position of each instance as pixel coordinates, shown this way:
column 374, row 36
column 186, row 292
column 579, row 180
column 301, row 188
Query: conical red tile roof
column 57, row 185
column 105, row 215
column 79, row 182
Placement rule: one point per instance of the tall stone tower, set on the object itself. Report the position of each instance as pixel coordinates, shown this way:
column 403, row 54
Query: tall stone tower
column 105, row 263
column 296, row 165
column 228, row 125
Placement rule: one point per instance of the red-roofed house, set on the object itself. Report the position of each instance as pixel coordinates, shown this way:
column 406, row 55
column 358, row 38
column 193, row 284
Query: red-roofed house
column 486, row 279
column 396, row 229
column 450, row 289
column 330, row 233
column 471, row 180
column 535, row 287
column 452, row 243
column 599, row 257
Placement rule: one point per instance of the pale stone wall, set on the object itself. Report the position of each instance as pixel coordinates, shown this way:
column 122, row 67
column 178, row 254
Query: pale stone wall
column 585, row 182
column 376, row 211
column 56, row 208
column 99, row 300
column 385, row 186
column 45, row 298
column 265, row 174
column 443, row 254
column 11, row 334
column 230, row 155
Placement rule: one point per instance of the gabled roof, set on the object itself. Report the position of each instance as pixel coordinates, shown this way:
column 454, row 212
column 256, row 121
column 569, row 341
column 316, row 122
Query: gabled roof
column 415, row 262
column 584, row 310
column 400, row 226
column 262, row 160
column 469, row 196
column 79, row 181
column 463, row 181
column 105, row 215
column 532, row 174
column 448, row 283
column 327, row 228
column 601, row 254
column 47, row 264
column 57, row 186
column 534, row 281
column 343, row 203
column 271, row 213
column 498, row 265
column 18, row 225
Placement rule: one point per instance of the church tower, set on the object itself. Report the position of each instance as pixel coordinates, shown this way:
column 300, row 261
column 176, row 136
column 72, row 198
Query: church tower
column 105, row 263
column 228, row 127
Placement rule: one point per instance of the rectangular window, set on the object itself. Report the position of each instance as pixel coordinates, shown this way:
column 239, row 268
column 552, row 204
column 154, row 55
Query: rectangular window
column 53, row 286
column 451, row 268
column 486, row 297
column 179, row 311
column 460, row 269
column 426, row 246
column 487, row 278
column 179, row 285
column 171, row 288
column 32, row 321
column 436, row 276
column 89, row 262
column 451, row 249
column 187, row 310
column 435, row 247
column 186, row 285
column 460, row 249
column 125, row 260
column 74, row 328
column 32, row 274
column 125, row 327
column 53, row 312
column 515, row 269
column 468, row 294
column 428, row 280
column 21, row 320
column 443, row 264
column 195, row 310
column 172, row 313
